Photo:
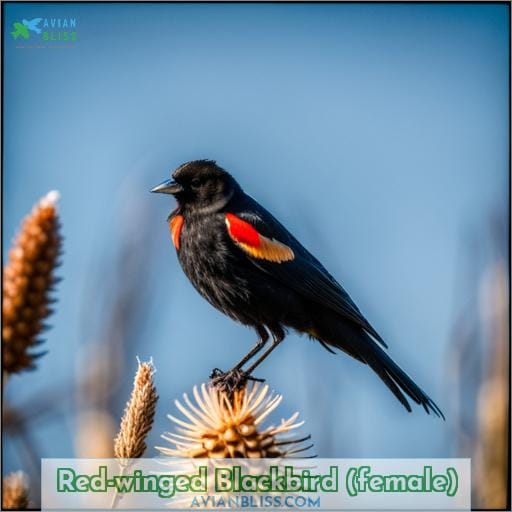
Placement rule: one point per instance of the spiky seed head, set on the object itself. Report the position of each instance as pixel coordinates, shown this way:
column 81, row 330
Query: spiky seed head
column 27, row 282
column 216, row 426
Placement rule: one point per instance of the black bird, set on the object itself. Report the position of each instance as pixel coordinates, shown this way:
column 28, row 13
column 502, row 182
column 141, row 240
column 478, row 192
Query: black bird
column 243, row 261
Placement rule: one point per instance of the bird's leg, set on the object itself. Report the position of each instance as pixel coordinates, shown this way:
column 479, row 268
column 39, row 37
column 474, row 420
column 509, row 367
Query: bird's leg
column 278, row 337
column 236, row 377
column 257, row 348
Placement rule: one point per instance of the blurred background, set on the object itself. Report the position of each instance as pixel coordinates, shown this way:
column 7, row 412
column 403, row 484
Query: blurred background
column 377, row 133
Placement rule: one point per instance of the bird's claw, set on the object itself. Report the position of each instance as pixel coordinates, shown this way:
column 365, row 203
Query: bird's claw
column 232, row 380
column 216, row 372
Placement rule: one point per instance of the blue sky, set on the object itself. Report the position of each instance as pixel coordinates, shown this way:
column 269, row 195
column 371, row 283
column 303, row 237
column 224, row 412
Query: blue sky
column 377, row 133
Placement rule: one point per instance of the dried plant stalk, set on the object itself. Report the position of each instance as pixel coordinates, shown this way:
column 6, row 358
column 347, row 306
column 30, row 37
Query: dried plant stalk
column 28, row 280
column 15, row 491
column 216, row 426
column 490, row 460
column 93, row 434
column 130, row 442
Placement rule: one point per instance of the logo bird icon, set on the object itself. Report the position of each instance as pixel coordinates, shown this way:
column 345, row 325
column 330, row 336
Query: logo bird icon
column 22, row 29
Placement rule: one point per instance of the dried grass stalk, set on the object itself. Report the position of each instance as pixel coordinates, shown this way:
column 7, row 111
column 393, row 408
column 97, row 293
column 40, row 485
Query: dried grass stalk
column 15, row 491
column 28, row 282
column 130, row 442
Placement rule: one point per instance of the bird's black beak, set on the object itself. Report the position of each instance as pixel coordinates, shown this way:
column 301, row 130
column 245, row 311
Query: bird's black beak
column 168, row 187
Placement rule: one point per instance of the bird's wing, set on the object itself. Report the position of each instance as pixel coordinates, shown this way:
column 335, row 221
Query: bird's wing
column 273, row 249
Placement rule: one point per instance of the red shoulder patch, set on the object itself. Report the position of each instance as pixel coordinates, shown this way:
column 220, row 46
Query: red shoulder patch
column 255, row 244
column 241, row 231
column 176, row 225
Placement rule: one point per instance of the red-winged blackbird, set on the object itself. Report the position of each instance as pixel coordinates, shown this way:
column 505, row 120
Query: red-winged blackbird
column 250, row 267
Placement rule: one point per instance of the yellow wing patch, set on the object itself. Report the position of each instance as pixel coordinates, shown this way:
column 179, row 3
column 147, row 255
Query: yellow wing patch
column 270, row 250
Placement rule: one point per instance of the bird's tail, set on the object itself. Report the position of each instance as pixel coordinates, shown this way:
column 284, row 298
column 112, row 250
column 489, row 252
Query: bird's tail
column 399, row 383
column 361, row 346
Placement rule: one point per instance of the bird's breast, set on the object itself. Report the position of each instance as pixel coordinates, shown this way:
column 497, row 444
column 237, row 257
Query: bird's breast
column 204, row 253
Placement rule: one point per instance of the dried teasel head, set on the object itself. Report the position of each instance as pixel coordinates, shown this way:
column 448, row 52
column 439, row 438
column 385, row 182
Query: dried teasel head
column 219, row 427
column 27, row 284
column 130, row 442
column 15, row 491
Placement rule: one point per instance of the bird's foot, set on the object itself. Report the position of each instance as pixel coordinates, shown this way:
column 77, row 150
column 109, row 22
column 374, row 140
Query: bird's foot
column 232, row 380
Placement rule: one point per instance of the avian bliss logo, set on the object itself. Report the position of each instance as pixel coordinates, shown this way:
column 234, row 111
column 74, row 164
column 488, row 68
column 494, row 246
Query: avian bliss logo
column 45, row 29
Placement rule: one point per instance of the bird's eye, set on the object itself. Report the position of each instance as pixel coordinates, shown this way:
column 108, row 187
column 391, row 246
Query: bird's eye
column 195, row 183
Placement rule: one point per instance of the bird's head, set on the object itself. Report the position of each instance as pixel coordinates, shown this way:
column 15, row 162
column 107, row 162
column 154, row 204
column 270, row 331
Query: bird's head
column 200, row 186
